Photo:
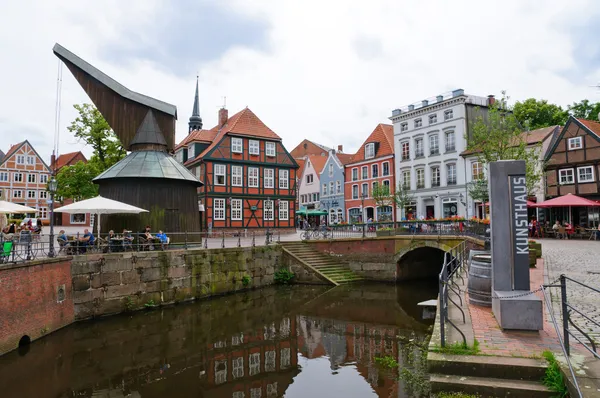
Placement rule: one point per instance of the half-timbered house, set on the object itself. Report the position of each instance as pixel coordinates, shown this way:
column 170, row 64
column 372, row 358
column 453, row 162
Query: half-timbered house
column 250, row 178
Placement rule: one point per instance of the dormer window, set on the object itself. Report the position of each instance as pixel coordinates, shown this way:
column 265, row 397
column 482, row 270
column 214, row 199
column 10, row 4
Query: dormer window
column 236, row 145
column 254, row 147
column 370, row 150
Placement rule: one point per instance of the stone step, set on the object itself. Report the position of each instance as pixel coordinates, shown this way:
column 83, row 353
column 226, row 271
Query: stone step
column 324, row 262
column 488, row 386
column 330, row 266
column 349, row 280
column 487, row 366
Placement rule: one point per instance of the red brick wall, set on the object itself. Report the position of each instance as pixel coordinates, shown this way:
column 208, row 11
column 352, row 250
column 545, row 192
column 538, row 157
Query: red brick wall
column 29, row 300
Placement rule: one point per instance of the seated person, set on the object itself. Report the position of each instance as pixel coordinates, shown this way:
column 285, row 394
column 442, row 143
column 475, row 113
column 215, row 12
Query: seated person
column 62, row 235
column 149, row 237
column 38, row 227
column 162, row 237
column 87, row 239
column 111, row 240
column 127, row 238
column 62, row 239
column 556, row 225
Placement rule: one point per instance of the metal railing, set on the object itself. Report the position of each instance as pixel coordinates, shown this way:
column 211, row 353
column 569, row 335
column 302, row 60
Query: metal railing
column 454, row 262
column 23, row 246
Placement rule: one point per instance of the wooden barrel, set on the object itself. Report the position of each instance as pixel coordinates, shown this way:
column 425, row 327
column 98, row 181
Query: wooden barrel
column 480, row 278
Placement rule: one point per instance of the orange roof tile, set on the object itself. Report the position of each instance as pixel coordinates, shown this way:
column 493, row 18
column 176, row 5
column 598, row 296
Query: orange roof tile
column 301, row 166
column 197, row 135
column 384, row 135
column 13, row 148
column 592, row 125
column 318, row 162
column 344, row 158
column 64, row 160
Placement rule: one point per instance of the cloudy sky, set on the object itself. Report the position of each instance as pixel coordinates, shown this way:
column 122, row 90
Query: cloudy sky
column 327, row 70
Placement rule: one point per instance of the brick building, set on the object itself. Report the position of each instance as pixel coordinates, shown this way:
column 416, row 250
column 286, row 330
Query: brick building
column 65, row 219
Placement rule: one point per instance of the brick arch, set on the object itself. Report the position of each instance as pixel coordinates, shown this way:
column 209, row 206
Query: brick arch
column 417, row 262
column 415, row 244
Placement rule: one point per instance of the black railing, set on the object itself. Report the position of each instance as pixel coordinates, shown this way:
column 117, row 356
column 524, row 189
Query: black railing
column 23, row 246
column 454, row 263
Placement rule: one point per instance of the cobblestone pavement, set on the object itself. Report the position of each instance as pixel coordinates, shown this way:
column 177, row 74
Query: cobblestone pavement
column 579, row 260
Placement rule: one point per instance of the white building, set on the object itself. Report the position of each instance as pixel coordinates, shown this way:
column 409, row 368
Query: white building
column 310, row 185
column 429, row 138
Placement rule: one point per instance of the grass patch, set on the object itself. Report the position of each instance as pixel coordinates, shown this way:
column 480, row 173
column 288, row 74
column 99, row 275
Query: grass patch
column 554, row 379
column 455, row 395
column 387, row 362
column 458, row 349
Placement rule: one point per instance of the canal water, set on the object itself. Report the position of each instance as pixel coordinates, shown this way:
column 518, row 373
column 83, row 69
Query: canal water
column 291, row 341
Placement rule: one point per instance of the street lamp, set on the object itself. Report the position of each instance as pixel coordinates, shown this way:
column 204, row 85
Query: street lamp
column 52, row 187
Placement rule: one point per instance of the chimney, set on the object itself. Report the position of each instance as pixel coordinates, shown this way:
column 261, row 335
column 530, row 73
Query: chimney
column 424, row 103
column 411, row 108
column 340, row 148
column 458, row 92
column 223, row 116
column 439, row 98
column 491, row 100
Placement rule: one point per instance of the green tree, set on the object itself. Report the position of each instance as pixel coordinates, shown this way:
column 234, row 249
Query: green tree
column 501, row 138
column 535, row 114
column 91, row 128
column 585, row 110
column 75, row 181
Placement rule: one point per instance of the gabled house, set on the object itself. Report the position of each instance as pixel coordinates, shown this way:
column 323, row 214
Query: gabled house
column 309, row 190
column 66, row 159
column 572, row 166
column 249, row 176
column 372, row 164
column 332, row 185
column 308, row 148
column 66, row 219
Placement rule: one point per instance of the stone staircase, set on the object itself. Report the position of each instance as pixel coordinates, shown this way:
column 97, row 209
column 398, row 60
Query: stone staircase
column 321, row 263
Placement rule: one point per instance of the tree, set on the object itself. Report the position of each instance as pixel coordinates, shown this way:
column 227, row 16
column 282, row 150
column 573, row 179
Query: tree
column 75, row 181
column 585, row 110
column 383, row 197
column 500, row 137
column 535, row 114
column 478, row 190
column 91, row 127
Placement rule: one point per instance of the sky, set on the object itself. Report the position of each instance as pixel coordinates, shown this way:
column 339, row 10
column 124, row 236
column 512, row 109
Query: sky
column 326, row 70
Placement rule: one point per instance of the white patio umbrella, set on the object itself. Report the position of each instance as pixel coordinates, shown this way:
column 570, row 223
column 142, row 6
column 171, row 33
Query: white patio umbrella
column 13, row 208
column 100, row 205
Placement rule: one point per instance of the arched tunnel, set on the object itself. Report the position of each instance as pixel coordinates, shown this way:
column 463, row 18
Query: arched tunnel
column 420, row 263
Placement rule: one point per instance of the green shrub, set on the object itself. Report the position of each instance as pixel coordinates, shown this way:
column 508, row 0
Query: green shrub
column 387, row 362
column 246, row 280
column 150, row 304
column 283, row 276
column 554, row 379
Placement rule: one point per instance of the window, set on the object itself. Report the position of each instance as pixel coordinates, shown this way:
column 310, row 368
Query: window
column 403, row 127
column 191, row 151
column 324, row 189
column 338, row 187
column 219, row 209
column 43, row 213
column 31, row 177
column 253, row 177
column 269, row 178
column 270, row 149
column 78, row 218
column 238, row 367
column 419, row 147
column 31, row 194
column 220, row 372
column 365, row 190
column 284, row 213
column 340, row 215
column 434, row 148
column 585, row 174
column 355, row 174
column 315, row 197
column 575, row 143
column 220, row 171
column 435, row 176
column 236, row 209
column 418, row 123
column 20, row 159
column 31, row 160
column 237, row 176
column 354, row 191
column 386, row 183
column 476, row 171
column 449, row 114
column 386, row 169
column 237, row 145
column 284, row 179
column 43, row 178
column 450, row 141
column 254, row 367
column 17, row 194
column 370, row 151
column 268, row 210
column 330, row 169
column 18, row 177
column 433, row 118
column 405, row 150
column 331, row 216
column 565, row 176
column 331, row 192
column 375, row 171
column 420, row 178
column 254, row 147
column 4, row 176
column 451, row 174
column 406, row 179
column 309, row 178
column 43, row 195
column 365, row 172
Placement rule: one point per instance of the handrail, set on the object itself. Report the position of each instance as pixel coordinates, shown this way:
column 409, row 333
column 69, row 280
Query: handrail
column 454, row 261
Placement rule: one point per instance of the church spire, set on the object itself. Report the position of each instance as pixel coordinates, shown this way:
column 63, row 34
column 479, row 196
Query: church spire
column 195, row 122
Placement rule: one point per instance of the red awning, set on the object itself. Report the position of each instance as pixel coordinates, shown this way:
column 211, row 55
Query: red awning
column 568, row 200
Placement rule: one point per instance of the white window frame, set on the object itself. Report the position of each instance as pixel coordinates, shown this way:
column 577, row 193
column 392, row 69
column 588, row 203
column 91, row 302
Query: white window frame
column 448, row 175
column 20, row 159
column 375, row 170
column 270, row 149
column 284, row 210
column 449, row 141
column 567, row 173
column 43, row 178
column 419, row 148
column 17, row 194
column 403, row 127
column 237, row 145
column 479, row 167
column 31, row 160
column 435, row 177
column 364, row 190
column 448, row 114
column 269, row 178
column 220, row 170
column 575, row 143
column 420, row 181
column 579, row 169
column 43, row 212
column 311, row 179
column 218, row 209
column 355, row 174
column 254, row 147
column 31, row 194
column 268, row 210
column 284, row 179
column 433, row 118
column 4, row 176
column 370, row 150
column 383, row 167
column 20, row 175
column 355, row 191
column 418, row 123
column 253, row 178
column 237, row 368
column 364, row 173
column 338, row 186
column 31, row 178
column 331, row 188
column 325, row 189
column 237, row 176
column 76, row 218
column 236, row 209
column 437, row 144
column 406, row 179
column 330, row 169
column 405, row 150
column 43, row 195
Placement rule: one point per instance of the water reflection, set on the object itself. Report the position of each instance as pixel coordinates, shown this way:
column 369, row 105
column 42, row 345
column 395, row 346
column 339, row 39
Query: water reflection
column 293, row 341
